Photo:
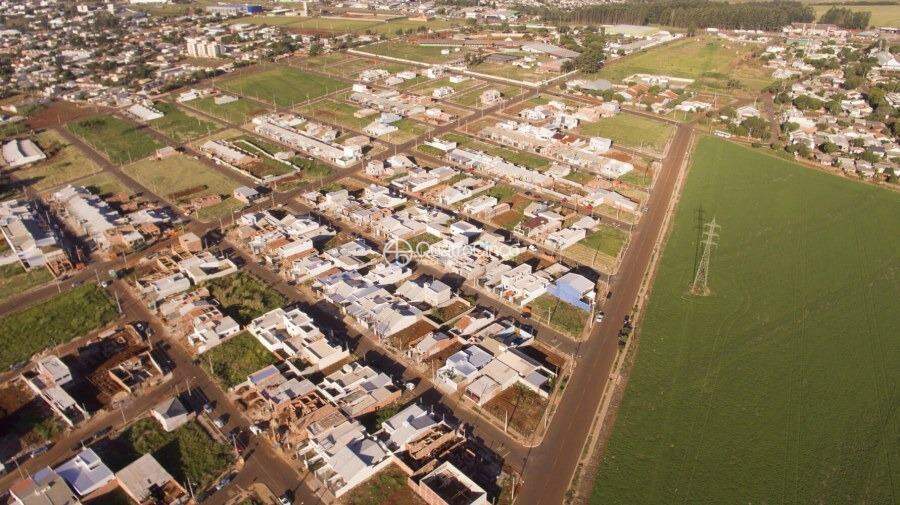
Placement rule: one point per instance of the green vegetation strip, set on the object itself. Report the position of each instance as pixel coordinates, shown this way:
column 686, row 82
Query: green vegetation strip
column 244, row 296
column 53, row 322
column 780, row 387
column 285, row 86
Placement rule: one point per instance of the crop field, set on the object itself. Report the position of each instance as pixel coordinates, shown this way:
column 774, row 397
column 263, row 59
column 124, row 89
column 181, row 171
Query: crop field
column 631, row 130
column 781, row 386
column 285, row 86
column 53, row 322
column 121, row 141
column 177, row 174
column 237, row 112
column 414, row 52
column 882, row 15
column 65, row 162
column 710, row 61
column 180, row 126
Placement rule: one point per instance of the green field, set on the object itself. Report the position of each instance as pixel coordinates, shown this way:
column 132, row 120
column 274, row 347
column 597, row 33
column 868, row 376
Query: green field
column 630, row 130
column 180, row 126
column 105, row 183
column 882, row 15
column 65, row 162
column 121, row 141
column 53, row 322
column 414, row 52
column 337, row 113
column 180, row 178
column 188, row 453
column 15, row 280
column 237, row 112
column 285, row 86
column 244, row 297
column 559, row 315
column 780, row 387
column 710, row 61
column 230, row 363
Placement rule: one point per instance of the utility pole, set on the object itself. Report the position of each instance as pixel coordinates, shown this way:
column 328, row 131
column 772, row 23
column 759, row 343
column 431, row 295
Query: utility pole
column 700, row 285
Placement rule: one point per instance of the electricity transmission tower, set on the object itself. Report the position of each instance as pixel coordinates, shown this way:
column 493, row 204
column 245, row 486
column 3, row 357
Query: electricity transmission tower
column 699, row 286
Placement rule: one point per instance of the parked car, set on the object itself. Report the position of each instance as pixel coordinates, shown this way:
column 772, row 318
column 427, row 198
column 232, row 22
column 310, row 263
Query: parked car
column 599, row 316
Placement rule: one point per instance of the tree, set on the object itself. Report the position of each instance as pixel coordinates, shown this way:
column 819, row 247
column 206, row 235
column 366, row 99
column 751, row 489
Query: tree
column 756, row 126
column 591, row 58
column 315, row 49
column 829, row 148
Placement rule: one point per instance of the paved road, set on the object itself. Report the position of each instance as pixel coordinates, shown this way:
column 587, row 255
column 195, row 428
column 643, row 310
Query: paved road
column 549, row 466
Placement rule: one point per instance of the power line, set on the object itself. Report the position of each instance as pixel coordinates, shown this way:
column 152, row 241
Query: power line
column 700, row 285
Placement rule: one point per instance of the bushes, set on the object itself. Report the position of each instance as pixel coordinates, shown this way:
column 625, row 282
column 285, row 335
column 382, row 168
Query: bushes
column 244, row 297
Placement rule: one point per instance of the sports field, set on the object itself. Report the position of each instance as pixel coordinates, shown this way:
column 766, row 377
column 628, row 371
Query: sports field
column 285, row 86
column 121, row 141
column 708, row 60
column 780, row 387
column 631, row 130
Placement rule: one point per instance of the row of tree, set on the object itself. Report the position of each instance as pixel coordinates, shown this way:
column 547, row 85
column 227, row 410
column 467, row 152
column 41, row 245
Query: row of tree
column 846, row 18
column 689, row 14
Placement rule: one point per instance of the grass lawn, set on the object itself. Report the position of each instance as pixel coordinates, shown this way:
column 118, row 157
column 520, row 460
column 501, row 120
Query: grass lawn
column 232, row 362
column 14, row 279
column 472, row 98
column 180, row 126
column 53, row 322
column 631, row 130
column 121, row 141
column 338, row 113
column 265, row 166
column 237, row 112
column 414, row 52
column 708, row 60
column 781, row 386
column 606, row 240
column 509, row 71
column 65, row 162
column 408, row 129
column 179, row 178
column 386, row 486
column 390, row 28
column 244, row 296
column 285, row 85
column 559, row 315
column 639, row 178
column 188, row 453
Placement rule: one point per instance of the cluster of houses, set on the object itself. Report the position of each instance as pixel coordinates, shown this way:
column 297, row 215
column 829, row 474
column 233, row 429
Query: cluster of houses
column 30, row 238
column 110, row 225
column 172, row 282
column 314, row 139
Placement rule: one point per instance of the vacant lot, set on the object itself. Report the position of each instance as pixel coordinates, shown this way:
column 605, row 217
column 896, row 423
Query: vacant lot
column 285, row 86
column 386, row 486
column 180, row 126
column 188, row 453
column 104, row 183
column 230, row 363
column 53, row 322
column 559, row 315
column 780, row 387
column 65, row 162
column 180, row 178
column 238, row 112
column 15, row 280
column 244, row 296
column 522, row 407
column 710, row 61
column 631, row 130
column 337, row 113
column 121, row 141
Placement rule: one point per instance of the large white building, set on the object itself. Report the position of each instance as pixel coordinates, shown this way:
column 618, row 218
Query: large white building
column 21, row 152
column 202, row 48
